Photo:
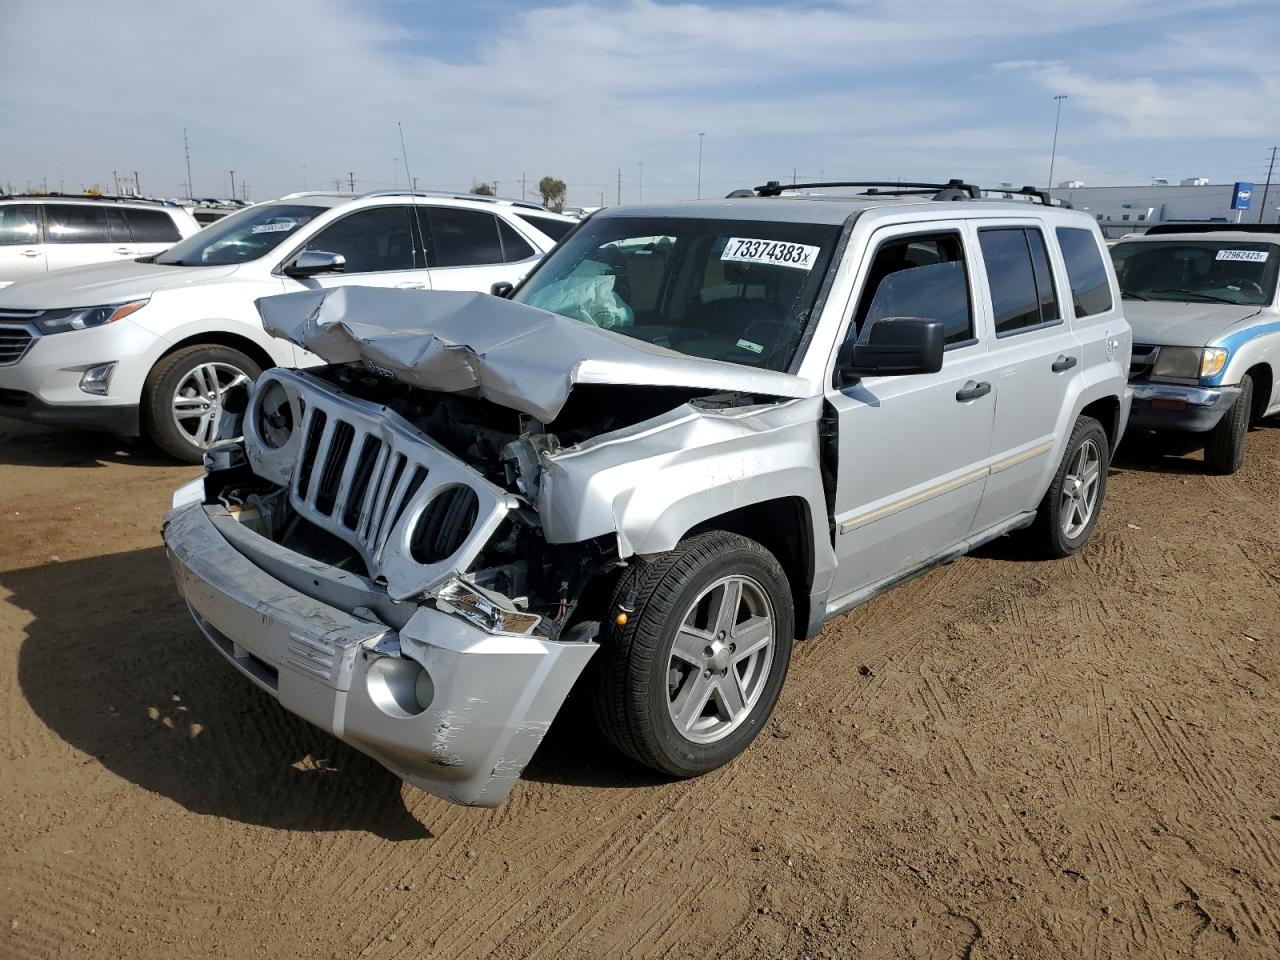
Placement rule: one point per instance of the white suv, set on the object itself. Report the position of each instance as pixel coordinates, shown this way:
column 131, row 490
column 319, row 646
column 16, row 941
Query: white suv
column 152, row 345
column 39, row 234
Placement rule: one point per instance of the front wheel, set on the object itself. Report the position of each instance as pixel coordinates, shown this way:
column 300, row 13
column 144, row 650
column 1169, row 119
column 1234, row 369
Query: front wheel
column 1224, row 449
column 1070, row 509
column 184, row 395
column 688, row 681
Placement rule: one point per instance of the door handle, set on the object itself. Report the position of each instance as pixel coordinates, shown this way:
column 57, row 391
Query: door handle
column 972, row 391
column 1063, row 363
column 31, row 253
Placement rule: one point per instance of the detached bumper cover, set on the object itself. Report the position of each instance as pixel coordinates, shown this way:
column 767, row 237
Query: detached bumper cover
column 1170, row 406
column 490, row 699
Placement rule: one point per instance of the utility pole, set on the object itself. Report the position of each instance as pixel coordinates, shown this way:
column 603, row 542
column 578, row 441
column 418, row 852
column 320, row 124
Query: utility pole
column 700, row 136
column 602, row 198
column 233, row 183
column 137, row 187
column 523, row 184
column 1262, row 214
column 351, row 180
column 186, row 148
column 1053, row 155
column 640, row 182
column 794, row 176
column 619, row 186
column 115, row 175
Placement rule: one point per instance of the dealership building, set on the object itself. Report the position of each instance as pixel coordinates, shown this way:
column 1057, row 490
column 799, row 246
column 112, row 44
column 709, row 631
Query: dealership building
column 1121, row 210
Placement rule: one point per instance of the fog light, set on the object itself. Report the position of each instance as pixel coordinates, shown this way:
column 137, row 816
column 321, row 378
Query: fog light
column 97, row 380
column 399, row 687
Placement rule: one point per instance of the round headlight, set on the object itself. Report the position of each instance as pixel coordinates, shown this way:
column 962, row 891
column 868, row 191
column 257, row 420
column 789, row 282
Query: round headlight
column 274, row 416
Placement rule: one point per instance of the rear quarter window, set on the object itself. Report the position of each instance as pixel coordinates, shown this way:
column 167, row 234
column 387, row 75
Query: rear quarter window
column 152, row 226
column 1090, row 288
column 555, row 229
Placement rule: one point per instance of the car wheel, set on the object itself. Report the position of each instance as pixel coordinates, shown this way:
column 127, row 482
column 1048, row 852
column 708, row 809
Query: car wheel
column 1070, row 509
column 184, row 394
column 1224, row 450
column 689, row 678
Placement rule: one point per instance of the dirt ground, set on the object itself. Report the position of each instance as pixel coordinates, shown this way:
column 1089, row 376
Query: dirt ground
column 1001, row 759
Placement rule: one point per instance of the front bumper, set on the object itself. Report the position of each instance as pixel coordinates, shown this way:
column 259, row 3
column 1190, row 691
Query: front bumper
column 493, row 697
column 1171, row 406
column 119, row 418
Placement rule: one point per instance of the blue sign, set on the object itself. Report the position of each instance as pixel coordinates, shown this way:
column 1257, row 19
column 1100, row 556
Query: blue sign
column 1241, row 195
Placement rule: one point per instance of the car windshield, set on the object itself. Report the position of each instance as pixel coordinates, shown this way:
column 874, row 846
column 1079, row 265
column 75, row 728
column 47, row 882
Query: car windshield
column 733, row 290
column 241, row 237
column 1198, row 271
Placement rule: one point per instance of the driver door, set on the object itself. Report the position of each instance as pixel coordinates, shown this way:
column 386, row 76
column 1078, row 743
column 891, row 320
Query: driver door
column 913, row 449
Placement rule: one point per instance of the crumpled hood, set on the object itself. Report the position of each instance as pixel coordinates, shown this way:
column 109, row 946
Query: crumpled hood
column 102, row 283
column 513, row 354
column 1169, row 323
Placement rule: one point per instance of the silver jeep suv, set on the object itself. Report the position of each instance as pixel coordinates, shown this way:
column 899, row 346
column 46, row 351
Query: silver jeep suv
column 694, row 434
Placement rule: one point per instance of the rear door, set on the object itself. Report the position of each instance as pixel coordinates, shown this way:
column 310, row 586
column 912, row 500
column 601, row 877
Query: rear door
column 80, row 233
column 913, row 449
column 472, row 249
column 21, row 252
column 1037, row 356
column 152, row 231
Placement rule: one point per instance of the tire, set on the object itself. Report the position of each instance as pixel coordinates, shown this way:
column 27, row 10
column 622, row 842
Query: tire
column 1058, row 531
column 1224, row 450
column 182, row 371
column 640, row 680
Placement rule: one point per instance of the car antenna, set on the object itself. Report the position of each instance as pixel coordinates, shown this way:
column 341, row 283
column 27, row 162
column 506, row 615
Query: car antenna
column 413, row 194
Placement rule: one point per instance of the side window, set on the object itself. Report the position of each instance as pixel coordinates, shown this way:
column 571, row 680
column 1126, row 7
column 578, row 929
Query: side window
column 1019, row 276
column 19, row 224
column 1090, row 289
column 462, row 238
column 152, row 226
column 117, row 229
column 76, row 223
column 923, row 275
column 372, row 240
column 514, row 247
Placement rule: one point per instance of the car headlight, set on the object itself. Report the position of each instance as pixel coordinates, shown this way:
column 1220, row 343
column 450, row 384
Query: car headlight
column 1178, row 363
column 488, row 611
column 82, row 318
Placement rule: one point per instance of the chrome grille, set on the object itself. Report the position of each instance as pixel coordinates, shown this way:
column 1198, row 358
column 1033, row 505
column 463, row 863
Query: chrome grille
column 15, row 341
column 1143, row 359
column 366, row 475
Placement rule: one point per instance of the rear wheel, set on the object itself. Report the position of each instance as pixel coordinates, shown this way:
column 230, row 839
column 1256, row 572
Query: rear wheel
column 184, row 395
column 689, row 680
column 1070, row 509
column 1224, row 450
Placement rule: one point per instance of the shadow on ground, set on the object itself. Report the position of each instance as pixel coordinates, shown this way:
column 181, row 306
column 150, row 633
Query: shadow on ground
column 113, row 664
column 26, row 445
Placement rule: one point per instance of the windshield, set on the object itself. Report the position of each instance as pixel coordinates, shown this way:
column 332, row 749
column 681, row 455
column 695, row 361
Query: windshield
column 733, row 290
column 1200, row 271
column 241, row 237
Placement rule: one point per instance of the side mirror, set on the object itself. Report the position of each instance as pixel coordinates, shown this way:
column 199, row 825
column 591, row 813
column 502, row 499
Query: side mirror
column 311, row 262
column 502, row 289
column 896, row 346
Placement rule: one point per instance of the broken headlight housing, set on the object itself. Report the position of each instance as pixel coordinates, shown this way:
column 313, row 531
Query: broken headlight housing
column 487, row 610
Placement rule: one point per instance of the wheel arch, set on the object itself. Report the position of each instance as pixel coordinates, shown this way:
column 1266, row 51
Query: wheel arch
column 1106, row 410
column 784, row 527
column 223, row 338
column 1263, row 385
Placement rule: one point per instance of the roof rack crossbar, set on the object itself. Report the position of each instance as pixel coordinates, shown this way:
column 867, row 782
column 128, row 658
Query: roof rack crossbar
column 106, row 197
column 774, row 188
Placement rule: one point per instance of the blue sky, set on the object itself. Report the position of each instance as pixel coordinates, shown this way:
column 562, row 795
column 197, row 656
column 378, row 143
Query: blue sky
column 300, row 94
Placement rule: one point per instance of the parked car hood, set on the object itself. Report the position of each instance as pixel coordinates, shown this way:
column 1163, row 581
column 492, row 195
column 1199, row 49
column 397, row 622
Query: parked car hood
column 103, row 283
column 513, row 354
column 1170, row 323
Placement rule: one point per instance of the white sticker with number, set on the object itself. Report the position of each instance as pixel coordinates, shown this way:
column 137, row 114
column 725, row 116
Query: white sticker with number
column 777, row 252
column 1250, row 256
column 278, row 226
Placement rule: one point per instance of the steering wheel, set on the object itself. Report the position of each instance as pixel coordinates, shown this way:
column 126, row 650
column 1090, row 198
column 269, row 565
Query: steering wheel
column 1243, row 283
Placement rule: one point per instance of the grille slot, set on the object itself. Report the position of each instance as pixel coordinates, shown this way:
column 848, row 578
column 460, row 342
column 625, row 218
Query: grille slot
column 14, row 343
column 315, row 429
column 334, row 462
column 1143, row 359
column 366, row 463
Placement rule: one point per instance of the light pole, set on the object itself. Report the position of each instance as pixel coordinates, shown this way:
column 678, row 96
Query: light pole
column 640, row 182
column 1053, row 156
column 700, row 136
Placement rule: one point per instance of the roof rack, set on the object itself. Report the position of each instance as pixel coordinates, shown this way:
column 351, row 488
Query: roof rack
column 954, row 189
column 1204, row 227
column 109, row 198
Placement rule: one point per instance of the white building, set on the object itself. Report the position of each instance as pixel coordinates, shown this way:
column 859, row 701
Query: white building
column 1121, row 210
